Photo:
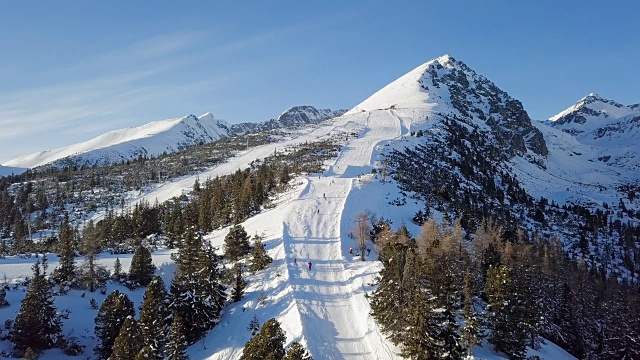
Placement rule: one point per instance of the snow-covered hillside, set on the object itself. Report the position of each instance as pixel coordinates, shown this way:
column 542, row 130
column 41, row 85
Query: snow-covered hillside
column 326, row 308
column 612, row 128
column 151, row 139
column 293, row 117
column 162, row 136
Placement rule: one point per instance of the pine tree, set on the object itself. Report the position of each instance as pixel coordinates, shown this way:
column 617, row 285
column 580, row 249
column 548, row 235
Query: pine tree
column 390, row 300
column 178, row 340
column 117, row 269
column 29, row 354
column 268, row 344
column 155, row 316
column 254, row 325
column 507, row 333
column 147, row 353
column 3, row 298
column 297, row 352
column 36, row 326
column 142, row 268
column 472, row 332
column 128, row 343
column 236, row 243
column 65, row 274
column 239, row 284
column 196, row 294
column 114, row 310
column 260, row 258
column 92, row 275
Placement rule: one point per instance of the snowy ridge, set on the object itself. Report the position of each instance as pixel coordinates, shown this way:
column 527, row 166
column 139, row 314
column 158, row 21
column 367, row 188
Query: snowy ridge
column 610, row 127
column 293, row 117
column 168, row 136
column 446, row 87
column 151, row 139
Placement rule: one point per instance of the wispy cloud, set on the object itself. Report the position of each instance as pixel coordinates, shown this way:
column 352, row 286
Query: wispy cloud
column 100, row 93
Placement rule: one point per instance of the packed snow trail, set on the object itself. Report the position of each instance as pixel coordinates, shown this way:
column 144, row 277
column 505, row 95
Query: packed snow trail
column 330, row 299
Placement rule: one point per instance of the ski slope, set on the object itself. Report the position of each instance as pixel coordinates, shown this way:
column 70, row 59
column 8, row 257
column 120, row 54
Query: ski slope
column 325, row 308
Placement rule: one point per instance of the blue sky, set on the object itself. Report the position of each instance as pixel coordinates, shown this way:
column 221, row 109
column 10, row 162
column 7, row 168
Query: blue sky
column 71, row 70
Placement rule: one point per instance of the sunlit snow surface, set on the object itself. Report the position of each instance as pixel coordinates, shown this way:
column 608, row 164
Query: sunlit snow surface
column 325, row 308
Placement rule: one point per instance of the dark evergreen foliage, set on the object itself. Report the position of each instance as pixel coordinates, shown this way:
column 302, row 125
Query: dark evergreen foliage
column 196, row 293
column 297, row 352
column 65, row 274
column 155, row 316
column 129, row 341
column 259, row 257
column 147, row 353
column 142, row 268
column 236, row 243
column 114, row 310
column 37, row 325
column 178, row 341
column 267, row 344
column 238, row 284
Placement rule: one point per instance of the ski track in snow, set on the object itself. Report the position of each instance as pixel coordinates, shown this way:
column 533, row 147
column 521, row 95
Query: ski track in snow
column 325, row 308
column 327, row 296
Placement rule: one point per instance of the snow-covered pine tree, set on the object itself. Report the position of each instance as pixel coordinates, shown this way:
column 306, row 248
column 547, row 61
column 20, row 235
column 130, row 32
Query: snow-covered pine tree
column 117, row 269
column 142, row 268
column 114, row 310
column 3, row 298
column 504, row 313
column 92, row 275
column 260, row 259
column 472, row 332
column 147, row 353
column 254, row 325
column 267, row 344
column 128, row 342
column 297, row 352
column 36, row 326
column 155, row 316
column 178, row 340
column 65, row 274
column 236, row 243
column 388, row 300
column 196, row 294
column 238, row 284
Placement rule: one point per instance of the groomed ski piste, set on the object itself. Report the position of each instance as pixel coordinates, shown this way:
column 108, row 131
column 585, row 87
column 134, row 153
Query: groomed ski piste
column 326, row 307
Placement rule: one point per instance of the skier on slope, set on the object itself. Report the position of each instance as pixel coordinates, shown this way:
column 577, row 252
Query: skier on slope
column 310, row 265
column 295, row 261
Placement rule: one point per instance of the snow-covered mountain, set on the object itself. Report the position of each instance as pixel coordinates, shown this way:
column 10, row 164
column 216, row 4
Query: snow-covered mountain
column 464, row 145
column 151, row 139
column 293, row 117
column 446, row 86
column 162, row 136
column 606, row 125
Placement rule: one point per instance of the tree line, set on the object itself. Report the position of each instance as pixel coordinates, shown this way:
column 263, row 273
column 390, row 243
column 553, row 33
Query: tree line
column 439, row 295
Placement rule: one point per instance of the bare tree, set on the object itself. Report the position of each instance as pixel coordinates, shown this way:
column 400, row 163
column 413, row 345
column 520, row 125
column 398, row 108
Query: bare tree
column 361, row 231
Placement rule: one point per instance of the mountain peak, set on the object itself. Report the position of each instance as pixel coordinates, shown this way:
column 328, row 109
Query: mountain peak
column 444, row 59
column 593, row 116
column 446, row 87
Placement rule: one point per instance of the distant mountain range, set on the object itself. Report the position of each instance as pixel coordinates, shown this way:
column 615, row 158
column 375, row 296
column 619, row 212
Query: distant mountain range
column 162, row 136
